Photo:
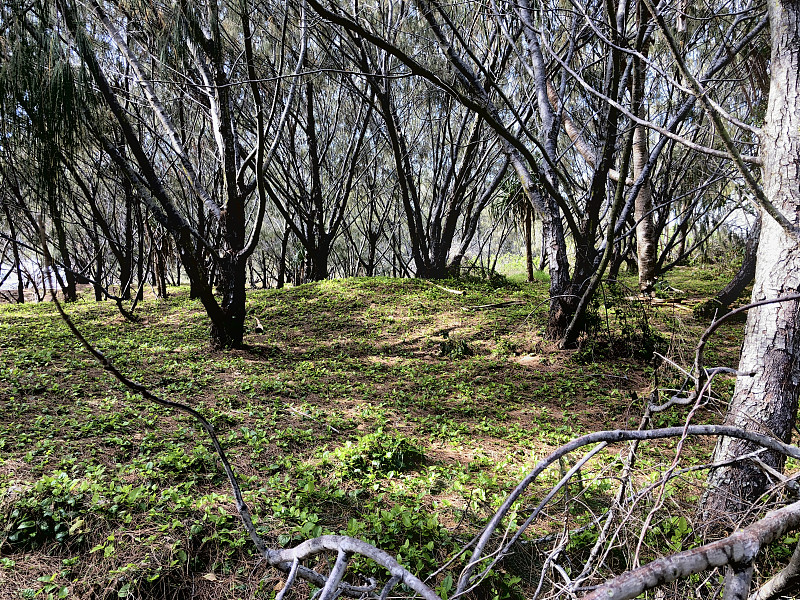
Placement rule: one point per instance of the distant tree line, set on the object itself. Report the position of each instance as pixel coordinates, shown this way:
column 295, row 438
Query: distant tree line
column 260, row 143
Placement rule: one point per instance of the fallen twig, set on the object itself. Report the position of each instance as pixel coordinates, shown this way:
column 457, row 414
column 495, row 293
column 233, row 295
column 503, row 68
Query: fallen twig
column 490, row 306
column 448, row 290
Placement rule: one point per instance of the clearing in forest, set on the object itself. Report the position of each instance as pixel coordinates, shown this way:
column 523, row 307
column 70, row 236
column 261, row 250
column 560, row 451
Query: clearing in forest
column 391, row 410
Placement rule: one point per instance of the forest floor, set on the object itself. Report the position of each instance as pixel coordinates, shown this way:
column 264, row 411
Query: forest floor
column 390, row 410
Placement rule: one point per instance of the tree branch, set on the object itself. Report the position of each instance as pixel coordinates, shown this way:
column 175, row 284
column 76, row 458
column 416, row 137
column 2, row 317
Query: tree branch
column 740, row 549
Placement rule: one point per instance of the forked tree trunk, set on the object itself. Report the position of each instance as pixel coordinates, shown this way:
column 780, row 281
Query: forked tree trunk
column 767, row 402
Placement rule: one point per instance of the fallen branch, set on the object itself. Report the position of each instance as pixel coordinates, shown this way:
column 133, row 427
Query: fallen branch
column 467, row 581
column 448, row 290
column 738, row 550
column 490, row 306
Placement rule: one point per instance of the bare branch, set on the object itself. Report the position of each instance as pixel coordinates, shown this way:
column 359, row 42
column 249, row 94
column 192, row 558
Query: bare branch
column 701, row 93
column 619, row 435
column 158, row 109
column 740, row 548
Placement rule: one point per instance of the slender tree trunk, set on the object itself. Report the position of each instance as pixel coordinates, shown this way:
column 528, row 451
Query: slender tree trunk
column 158, row 263
column 282, row 259
column 643, row 214
column 543, row 252
column 161, row 249
column 394, row 256
column 373, row 237
column 529, row 240
column 68, row 287
column 767, row 401
column 140, row 255
column 126, row 264
column 643, row 204
column 98, row 264
column 15, row 251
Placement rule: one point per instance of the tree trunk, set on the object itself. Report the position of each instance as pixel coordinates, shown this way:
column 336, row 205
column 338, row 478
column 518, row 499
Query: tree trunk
column 161, row 268
column 643, row 215
column 562, row 304
column 68, row 286
column 15, row 250
column 282, row 259
column 98, row 264
column 228, row 331
column 643, row 204
column 140, row 255
column 721, row 302
column 373, row 237
column 767, row 401
column 126, row 264
column 529, row 240
column 318, row 267
column 543, row 253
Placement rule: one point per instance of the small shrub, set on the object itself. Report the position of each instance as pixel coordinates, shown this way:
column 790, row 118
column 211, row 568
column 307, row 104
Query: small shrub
column 378, row 453
column 620, row 327
column 48, row 511
column 455, row 348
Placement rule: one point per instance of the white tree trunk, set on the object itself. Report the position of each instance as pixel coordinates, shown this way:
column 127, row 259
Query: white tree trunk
column 767, row 402
column 643, row 215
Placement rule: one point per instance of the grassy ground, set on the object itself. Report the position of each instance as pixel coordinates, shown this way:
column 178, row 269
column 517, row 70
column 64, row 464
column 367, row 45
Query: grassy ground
column 390, row 410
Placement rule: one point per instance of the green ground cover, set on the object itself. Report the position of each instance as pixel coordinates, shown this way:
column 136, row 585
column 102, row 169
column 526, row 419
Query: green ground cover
column 390, row 410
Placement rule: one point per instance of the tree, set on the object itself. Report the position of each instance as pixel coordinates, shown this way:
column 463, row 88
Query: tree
column 203, row 46
column 766, row 393
column 319, row 163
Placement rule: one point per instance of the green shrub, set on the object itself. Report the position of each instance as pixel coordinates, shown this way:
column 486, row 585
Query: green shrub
column 378, row 453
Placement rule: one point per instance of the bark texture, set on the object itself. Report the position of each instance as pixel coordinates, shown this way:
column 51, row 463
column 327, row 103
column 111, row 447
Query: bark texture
column 767, row 402
column 643, row 215
column 643, row 206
